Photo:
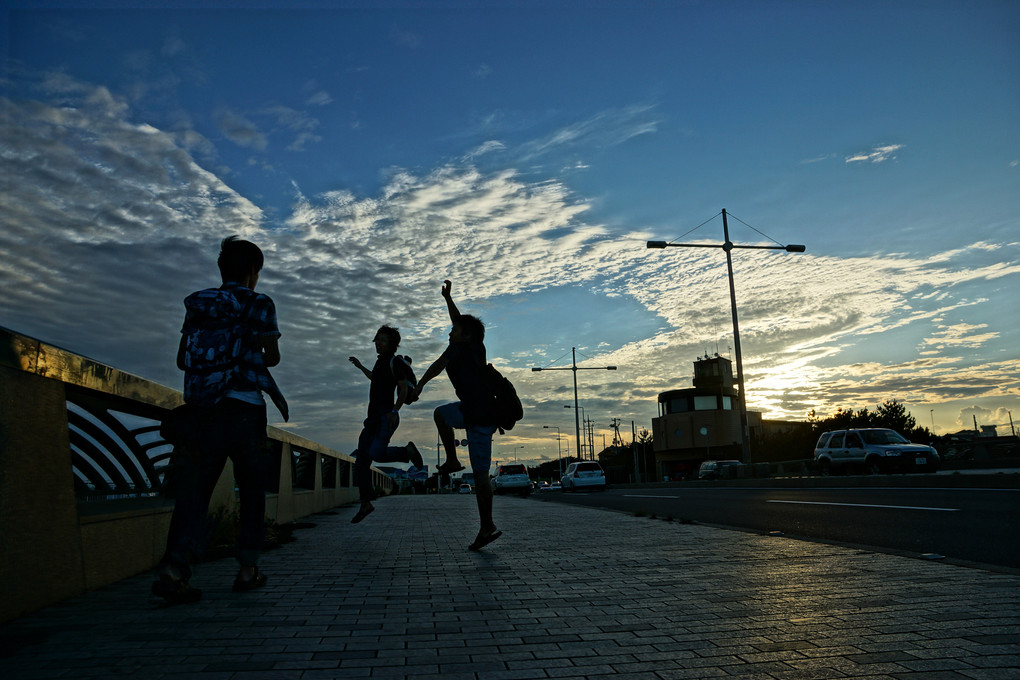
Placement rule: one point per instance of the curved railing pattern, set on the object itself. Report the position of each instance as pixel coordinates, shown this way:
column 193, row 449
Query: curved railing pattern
column 83, row 474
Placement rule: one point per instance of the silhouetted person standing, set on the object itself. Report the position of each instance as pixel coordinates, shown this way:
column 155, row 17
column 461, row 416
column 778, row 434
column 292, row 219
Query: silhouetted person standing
column 464, row 362
column 389, row 374
column 228, row 341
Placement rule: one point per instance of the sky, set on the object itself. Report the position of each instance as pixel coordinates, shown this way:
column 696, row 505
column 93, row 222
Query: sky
column 527, row 151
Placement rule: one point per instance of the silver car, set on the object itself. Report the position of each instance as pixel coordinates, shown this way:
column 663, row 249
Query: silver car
column 874, row 450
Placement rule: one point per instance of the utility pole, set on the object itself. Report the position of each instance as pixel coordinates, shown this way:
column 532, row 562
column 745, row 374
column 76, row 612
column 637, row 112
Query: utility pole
column 575, row 368
column 633, row 450
column 728, row 246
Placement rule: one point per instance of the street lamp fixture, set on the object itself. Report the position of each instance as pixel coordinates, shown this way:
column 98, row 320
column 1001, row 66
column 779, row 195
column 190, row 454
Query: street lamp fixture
column 575, row 368
column 727, row 247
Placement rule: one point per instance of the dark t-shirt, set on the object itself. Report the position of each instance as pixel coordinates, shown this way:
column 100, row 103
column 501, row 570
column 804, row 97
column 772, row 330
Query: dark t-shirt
column 465, row 366
column 383, row 386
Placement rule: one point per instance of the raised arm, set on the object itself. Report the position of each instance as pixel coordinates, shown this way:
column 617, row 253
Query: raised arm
column 435, row 369
column 357, row 364
column 454, row 312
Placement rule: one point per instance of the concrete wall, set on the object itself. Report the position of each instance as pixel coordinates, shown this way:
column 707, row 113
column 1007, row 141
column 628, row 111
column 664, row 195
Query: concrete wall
column 51, row 545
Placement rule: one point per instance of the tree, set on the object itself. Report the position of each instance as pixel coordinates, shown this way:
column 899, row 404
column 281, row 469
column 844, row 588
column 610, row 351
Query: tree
column 891, row 414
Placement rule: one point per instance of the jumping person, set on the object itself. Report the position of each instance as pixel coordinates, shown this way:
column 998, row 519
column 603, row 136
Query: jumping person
column 390, row 373
column 464, row 362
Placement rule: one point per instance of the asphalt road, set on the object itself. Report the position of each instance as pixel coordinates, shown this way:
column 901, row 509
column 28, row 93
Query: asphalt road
column 974, row 525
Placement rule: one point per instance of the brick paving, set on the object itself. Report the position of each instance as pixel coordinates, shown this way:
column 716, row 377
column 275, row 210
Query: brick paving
column 568, row 592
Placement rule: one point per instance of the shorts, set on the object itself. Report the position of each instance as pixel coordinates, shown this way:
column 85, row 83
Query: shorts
column 479, row 438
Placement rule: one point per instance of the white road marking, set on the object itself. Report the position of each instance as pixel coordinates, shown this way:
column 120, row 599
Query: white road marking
column 866, row 505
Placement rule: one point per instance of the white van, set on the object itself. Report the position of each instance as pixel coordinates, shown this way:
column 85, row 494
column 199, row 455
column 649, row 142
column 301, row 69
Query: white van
column 584, row 475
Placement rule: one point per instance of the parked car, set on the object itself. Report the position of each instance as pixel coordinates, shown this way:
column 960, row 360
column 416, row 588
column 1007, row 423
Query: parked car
column 512, row 478
column 874, row 450
column 719, row 469
column 584, row 475
column 555, row 486
column 543, row 486
column 464, row 488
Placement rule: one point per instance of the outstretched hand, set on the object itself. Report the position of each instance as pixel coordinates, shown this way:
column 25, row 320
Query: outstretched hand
column 446, row 288
column 354, row 360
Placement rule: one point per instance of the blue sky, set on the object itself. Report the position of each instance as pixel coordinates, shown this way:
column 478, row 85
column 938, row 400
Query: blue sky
column 528, row 151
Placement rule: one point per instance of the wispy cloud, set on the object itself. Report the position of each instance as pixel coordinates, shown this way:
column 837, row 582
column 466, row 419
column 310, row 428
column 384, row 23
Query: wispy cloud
column 482, row 149
column 240, row 130
column 297, row 121
column 405, row 37
column 320, row 98
column 605, row 129
column 879, row 154
column 818, row 159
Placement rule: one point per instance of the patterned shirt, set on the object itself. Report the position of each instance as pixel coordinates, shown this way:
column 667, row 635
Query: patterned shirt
column 252, row 376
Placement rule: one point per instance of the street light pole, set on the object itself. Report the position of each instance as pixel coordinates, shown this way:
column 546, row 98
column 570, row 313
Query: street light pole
column 559, row 456
column 575, row 368
column 745, row 438
column 728, row 246
column 580, row 452
column 584, row 419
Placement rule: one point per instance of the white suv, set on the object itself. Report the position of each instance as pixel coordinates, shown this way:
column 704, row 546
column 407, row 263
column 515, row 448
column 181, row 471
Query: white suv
column 512, row 478
column 584, row 475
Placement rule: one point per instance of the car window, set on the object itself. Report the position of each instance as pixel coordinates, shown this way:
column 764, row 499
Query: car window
column 853, row 441
column 512, row 470
column 589, row 467
column 822, row 440
column 836, row 442
column 884, row 437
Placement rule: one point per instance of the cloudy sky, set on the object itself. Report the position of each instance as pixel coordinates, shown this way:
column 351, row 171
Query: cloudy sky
column 527, row 151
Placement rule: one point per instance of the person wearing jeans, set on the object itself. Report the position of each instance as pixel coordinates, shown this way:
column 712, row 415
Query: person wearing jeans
column 388, row 376
column 464, row 362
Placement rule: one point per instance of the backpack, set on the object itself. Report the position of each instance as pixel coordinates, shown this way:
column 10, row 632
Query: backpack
column 215, row 338
column 400, row 367
column 507, row 405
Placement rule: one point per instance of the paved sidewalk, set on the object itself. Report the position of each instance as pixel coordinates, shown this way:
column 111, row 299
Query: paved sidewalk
column 567, row 592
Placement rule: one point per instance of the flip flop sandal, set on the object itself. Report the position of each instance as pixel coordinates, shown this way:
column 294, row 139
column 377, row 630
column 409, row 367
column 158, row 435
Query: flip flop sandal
column 258, row 580
column 362, row 514
column 175, row 591
column 482, row 541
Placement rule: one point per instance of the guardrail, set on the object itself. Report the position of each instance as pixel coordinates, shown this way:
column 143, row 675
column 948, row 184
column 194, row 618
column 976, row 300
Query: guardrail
column 83, row 467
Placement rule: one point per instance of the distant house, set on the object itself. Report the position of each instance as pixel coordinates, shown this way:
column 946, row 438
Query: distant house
column 700, row 423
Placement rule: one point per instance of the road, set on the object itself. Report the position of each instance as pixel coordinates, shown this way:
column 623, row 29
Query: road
column 980, row 525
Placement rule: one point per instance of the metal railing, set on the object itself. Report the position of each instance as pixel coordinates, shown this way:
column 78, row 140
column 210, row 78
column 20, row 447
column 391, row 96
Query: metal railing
column 83, row 471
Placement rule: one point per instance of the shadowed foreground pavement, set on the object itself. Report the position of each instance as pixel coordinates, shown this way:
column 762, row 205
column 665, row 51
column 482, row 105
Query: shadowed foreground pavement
column 567, row 592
